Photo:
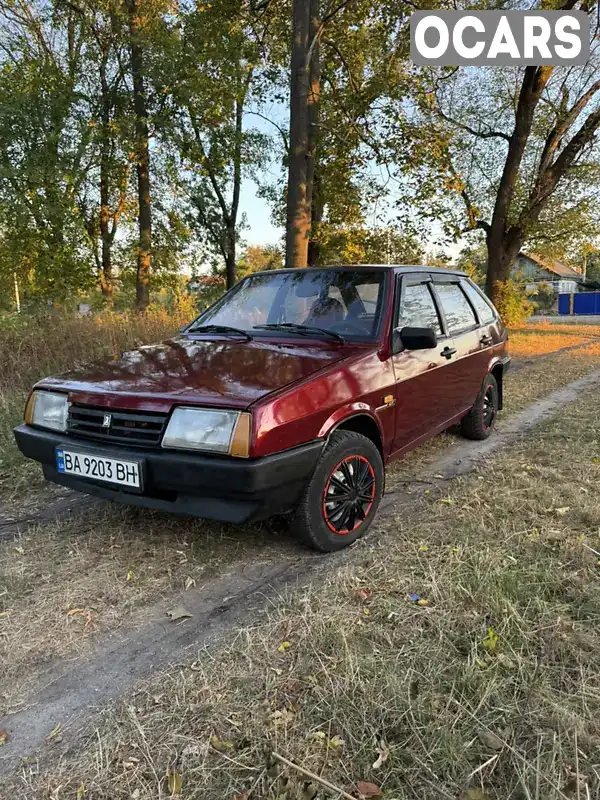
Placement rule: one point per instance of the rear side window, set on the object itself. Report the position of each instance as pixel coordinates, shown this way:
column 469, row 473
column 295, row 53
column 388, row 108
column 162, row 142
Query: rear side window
column 418, row 309
column 457, row 310
column 483, row 308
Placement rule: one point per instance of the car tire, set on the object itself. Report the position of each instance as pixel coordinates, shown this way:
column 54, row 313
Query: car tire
column 480, row 421
column 348, row 462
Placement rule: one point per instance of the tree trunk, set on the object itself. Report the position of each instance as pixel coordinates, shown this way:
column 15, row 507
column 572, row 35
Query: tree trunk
column 142, row 289
column 106, row 276
column 317, row 211
column 298, row 208
column 230, row 267
column 502, row 254
column 314, row 80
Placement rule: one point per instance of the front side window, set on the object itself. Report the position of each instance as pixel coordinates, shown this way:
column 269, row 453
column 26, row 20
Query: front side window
column 457, row 310
column 418, row 309
column 331, row 299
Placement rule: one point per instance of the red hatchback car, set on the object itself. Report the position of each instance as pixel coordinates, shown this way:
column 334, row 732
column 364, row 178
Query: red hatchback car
column 290, row 394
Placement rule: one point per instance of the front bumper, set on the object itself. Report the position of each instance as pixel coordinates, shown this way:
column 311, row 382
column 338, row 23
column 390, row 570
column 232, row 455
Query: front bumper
column 199, row 485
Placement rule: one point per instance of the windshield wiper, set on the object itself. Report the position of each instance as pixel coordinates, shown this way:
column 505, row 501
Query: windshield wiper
column 220, row 329
column 304, row 330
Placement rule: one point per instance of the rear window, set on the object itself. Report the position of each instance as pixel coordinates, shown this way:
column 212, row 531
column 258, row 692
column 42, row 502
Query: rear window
column 484, row 310
column 457, row 309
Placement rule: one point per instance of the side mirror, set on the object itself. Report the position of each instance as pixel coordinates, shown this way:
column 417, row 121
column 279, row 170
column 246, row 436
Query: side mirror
column 418, row 338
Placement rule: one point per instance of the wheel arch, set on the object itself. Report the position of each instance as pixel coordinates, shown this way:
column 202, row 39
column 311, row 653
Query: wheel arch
column 359, row 420
column 497, row 370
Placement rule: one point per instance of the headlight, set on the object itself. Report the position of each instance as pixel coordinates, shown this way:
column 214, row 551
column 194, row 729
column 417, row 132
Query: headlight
column 47, row 410
column 211, row 429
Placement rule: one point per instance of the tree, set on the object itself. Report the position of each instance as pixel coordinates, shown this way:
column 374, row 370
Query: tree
column 44, row 144
column 218, row 53
column 504, row 144
column 142, row 151
column 304, row 98
column 257, row 258
column 104, row 198
column 357, row 244
column 343, row 73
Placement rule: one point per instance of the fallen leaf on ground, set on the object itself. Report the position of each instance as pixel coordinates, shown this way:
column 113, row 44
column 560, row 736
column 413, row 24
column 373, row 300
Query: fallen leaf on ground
column 563, row 510
column 179, row 612
column 129, row 574
column 245, row 795
column 55, row 732
column 476, row 794
column 367, row 791
column 284, row 646
column 3, row 736
column 363, row 594
column 220, row 744
column 490, row 740
column 491, row 640
column 189, row 582
column 383, row 754
column 174, row 781
column 335, row 742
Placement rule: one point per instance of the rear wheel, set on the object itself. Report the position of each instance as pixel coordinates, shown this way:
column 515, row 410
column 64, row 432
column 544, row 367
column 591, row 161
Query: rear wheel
column 342, row 497
column 480, row 421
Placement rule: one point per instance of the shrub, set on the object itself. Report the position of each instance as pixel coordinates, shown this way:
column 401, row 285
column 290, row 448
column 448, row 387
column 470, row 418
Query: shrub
column 545, row 296
column 512, row 302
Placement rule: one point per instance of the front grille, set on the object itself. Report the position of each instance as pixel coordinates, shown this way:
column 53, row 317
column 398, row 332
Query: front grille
column 136, row 428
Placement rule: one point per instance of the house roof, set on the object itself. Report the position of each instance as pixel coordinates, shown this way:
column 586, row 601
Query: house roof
column 557, row 267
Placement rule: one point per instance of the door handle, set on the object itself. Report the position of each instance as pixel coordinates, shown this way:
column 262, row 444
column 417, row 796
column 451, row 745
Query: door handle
column 448, row 352
column 486, row 340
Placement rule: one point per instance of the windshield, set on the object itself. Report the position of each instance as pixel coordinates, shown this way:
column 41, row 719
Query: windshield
column 347, row 302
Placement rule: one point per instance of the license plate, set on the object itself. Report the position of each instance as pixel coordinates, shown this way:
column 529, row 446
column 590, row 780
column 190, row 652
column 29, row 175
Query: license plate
column 111, row 470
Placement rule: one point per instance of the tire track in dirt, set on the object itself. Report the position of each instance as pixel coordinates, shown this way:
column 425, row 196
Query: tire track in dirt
column 75, row 689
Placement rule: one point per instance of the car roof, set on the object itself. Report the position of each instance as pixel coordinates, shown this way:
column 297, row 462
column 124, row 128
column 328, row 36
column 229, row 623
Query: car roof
column 398, row 268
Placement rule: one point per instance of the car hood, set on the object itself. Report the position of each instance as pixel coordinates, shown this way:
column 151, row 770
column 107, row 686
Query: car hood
column 221, row 372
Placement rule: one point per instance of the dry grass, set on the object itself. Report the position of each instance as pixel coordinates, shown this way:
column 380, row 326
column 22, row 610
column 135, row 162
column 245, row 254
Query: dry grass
column 525, row 344
column 575, row 327
column 489, row 690
column 106, row 569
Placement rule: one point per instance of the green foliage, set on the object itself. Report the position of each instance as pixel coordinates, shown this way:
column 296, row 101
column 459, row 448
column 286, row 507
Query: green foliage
column 545, row 297
column 345, row 244
column 512, row 302
column 473, row 261
column 256, row 258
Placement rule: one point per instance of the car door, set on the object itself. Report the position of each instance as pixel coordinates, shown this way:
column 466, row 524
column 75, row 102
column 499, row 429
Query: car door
column 418, row 373
column 465, row 371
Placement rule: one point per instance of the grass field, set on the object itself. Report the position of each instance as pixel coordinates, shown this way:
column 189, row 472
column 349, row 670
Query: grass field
column 487, row 688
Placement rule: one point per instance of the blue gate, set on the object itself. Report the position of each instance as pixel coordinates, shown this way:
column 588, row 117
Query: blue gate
column 583, row 303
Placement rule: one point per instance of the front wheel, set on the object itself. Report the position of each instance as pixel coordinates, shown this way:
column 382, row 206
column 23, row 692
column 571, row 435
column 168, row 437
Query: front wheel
column 342, row 497
column 480, row 421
